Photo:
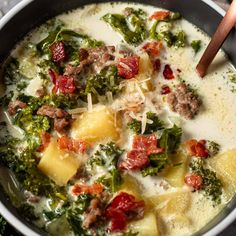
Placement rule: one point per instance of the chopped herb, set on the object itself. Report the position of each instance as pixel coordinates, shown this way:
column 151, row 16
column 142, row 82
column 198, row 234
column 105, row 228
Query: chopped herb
column 213, row 148
column 196, row 45
column 106, row 81
column 212, row 186
column 152, row 127
column 120, row 23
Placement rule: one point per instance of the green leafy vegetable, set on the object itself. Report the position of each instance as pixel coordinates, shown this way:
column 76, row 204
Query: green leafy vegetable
column 6, row 229
column 196, row 45
column 212, row 186
column 156, row 124
column 121, row 23
column 169, row 141
column 213, row 148
column 106, row 81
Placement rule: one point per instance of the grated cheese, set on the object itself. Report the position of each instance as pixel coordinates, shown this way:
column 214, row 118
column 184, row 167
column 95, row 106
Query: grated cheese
column 110, row 97
column 144, row 123
column 77, row 110
column 90, row 103
column 140, row 91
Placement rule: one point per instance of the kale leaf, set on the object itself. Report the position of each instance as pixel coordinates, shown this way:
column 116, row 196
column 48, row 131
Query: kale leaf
column 120, row 23
column 157, row 124
column 196, row 45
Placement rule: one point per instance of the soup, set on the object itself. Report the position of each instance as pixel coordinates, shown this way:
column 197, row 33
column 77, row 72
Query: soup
column 107, row 129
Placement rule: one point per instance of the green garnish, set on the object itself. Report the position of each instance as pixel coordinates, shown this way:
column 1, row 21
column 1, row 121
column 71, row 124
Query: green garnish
column 196, row 45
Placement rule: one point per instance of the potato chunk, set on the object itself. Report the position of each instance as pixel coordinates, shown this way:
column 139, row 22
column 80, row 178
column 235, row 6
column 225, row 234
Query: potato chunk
column 146, row 226
column 225, row 167
column 57, row 164
column 172, row 203
column 174, row 175
column 100, row 124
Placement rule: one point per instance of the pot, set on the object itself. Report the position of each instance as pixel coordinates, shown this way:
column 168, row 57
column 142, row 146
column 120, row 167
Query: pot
column 29, row 14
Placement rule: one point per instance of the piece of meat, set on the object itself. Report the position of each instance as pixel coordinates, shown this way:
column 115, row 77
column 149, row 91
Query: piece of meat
column 194, row 180
column 45, row 140
column 153, row 48
column 92, row 213
column 52, row 112
column 184, row 101
column 168, row 73
column 58, row 52
column 61, row 117
column 14, row 106
column 160, row 15
column 165, row 89
column 128, row 67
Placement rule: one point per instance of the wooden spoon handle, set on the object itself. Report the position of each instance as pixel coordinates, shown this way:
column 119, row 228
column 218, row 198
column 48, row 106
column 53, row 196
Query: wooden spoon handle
column 217, row 40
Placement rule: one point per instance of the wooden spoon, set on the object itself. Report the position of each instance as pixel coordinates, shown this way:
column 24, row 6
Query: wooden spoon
column 217, row 40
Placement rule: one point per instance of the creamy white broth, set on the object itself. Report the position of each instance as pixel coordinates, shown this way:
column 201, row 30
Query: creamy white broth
column 215, row 120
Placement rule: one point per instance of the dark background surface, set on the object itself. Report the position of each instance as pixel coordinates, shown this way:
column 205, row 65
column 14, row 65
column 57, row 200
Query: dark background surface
column 5, row 5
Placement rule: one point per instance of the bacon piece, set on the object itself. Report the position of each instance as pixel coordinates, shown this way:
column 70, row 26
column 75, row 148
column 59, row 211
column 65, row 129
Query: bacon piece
column 122, row 208
column 165, row 89
column 95, row 188
column 197, row 148
column 64, row 83
column 135, row 160
column 45, row 140
column 194, row 180
column 153, row 48
column 14, row 106
column 67, row 143
column 58, row 51
column 128, row 67
column 156, row 65
column 168, row 73
column 146, row 143
column 159, row 15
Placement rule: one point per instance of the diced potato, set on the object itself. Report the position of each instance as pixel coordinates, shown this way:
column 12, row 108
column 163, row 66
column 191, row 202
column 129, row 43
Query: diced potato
column 145, row 73
column 57, row 164
column 170, row 203
column 130, row 185
column 225, row 167
column 100, row 124
column 174, row 175
column 146, row 226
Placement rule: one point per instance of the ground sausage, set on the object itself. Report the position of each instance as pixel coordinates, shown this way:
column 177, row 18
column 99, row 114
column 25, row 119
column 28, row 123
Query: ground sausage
column 14, row 106
column 184, row 101
column 61, row 117
column 92, row 213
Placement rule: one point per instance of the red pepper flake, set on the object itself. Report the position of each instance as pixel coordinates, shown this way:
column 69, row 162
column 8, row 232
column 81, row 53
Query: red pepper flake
column 122, row 208
column 95, row 188
column 194, row 180
column 165, row 89
column 153, row 48
column 58, row 51
column 128, row 67
column 159, row 15
column 67, row 143
column 197, row 148
column 156, row 65
column 168, row 73
column 45, row 140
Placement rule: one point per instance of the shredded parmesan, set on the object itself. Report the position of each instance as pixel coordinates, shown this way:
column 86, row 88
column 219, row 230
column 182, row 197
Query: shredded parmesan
column 110, row 97
column 90, row 103
column 125, row 66
column 140, row 92
column 144, row 80
column 77, row 110
column 144, row 122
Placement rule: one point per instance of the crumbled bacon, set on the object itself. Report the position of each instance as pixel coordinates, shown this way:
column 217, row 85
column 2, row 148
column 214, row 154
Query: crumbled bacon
column 95, row 188
column 122, row 208
column 194, row 180
column 128, row 67
column 135, row 160
column 58, row 51
column 143, row 146
column 165, row 89
column 197, row 148
column 153, row 48
column 168, row 73
column 147, row 144
column 160, row 15
column 45, row 140
column 156, row 65
column 64, row 83
column 67, row 143
column 14, row 106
